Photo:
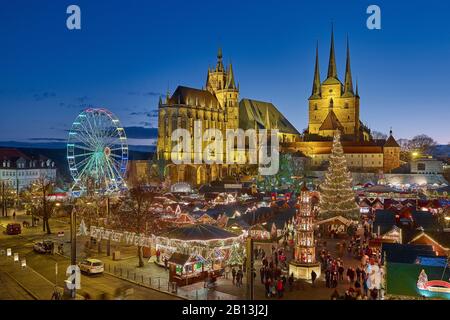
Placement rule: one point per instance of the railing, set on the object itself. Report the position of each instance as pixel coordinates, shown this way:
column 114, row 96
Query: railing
column 158, row 283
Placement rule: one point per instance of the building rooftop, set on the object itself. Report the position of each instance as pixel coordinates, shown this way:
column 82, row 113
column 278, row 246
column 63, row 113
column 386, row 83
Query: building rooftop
column 266, row 116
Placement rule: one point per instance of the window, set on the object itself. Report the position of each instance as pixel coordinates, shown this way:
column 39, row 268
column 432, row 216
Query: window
column 421, row 166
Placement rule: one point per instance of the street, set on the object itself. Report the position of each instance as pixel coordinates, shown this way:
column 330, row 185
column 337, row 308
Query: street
column 43, row 267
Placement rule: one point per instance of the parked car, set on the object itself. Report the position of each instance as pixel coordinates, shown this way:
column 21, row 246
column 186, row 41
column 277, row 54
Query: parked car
column 44, row 247
column 91, row 266
column 13, row 228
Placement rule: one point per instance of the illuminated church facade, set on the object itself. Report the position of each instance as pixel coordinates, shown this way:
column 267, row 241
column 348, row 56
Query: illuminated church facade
column 216, row 106
column 333, row 105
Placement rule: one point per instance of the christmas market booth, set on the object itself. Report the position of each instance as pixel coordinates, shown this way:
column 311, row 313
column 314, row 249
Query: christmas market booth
column 193, row 251
column 335, row 227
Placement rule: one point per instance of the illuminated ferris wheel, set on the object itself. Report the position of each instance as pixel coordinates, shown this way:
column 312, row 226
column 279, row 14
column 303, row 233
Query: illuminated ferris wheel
column 97, row 152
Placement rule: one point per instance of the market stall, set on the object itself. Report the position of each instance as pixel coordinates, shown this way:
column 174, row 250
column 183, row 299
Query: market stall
column 194, row 250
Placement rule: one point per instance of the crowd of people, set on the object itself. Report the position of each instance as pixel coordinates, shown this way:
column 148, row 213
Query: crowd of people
column 364, row 281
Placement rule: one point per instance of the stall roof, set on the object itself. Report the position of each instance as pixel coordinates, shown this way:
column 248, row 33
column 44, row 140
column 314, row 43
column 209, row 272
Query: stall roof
column 341, row 219
column 202, row 232
column 179, row 258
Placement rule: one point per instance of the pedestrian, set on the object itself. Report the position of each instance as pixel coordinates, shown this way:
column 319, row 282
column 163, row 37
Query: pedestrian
column 267, row 286
column 280, row 288
column 240, row 275
column 291, row 281
column 227, row 271
column 335, row 279
column 341, row 273
column 14, row 215
column 358, row 273
column 327, row 278
column 262, row 272
column 233, row 274
column 313, row 277
column 365, row 287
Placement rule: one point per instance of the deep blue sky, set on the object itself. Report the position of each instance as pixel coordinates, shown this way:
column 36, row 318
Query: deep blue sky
column 128, row 52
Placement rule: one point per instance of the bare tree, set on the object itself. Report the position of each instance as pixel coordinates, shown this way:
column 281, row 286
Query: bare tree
column 8, row 194
column 133, row 212
column 44, row 208
column 377, row 135
column 421, row 144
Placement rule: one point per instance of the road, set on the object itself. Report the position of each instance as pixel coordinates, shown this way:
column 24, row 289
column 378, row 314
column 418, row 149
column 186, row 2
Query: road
column 44, row 266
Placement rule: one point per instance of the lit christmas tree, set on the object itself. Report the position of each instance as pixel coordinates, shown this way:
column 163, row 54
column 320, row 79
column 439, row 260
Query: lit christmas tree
column 236, row 257
column 337, row 197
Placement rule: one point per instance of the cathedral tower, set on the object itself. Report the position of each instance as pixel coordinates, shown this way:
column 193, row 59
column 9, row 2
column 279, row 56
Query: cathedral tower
column 221, row 83
column 334, row 105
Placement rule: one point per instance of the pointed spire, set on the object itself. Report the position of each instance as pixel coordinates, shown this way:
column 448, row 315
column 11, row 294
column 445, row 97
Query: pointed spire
column 230, row 78
column 357, row 92
column 316, row 81
column 207, row 77
column 348, row 85
column 219, row 67
column 332, row 71
column 160, row 101
column 167, row 94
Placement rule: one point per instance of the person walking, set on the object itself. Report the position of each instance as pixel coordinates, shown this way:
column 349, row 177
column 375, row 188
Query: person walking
column 280, row 288
column 240, row 275
column 327, row 278
column 335, row 279
column 313, row 277
column 227, row 271
column 341, row 273
column 233, row 274
column 14, row 215
column 262, row 272
column 267, row 287
column 291, row 281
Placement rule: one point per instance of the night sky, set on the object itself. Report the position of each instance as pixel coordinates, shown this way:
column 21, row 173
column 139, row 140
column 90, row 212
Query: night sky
column 129, row 52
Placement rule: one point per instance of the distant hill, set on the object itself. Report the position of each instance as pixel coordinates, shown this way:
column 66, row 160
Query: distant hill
column 59, row 154
column 441, row 151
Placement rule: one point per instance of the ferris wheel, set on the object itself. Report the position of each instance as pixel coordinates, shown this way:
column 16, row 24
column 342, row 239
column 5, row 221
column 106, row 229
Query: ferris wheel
column 97, row 152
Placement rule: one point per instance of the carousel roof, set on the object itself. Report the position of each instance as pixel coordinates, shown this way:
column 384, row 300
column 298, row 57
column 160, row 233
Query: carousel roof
column 201, row 232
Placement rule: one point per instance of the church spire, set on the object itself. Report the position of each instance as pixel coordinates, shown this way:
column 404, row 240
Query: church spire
column 316, row 81
column 357, row 91
column 332, row 72
column 230, row 78
column 219, row 67
column 167, row 94
column 348, row 86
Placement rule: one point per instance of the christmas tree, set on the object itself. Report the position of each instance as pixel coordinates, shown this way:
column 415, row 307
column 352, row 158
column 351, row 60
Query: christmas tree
column 337, row 197
column 236, row 257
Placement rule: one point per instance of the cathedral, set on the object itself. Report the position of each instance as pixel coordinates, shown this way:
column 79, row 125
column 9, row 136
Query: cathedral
column 332, row 106
column 335, row 105
column 217, row 106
